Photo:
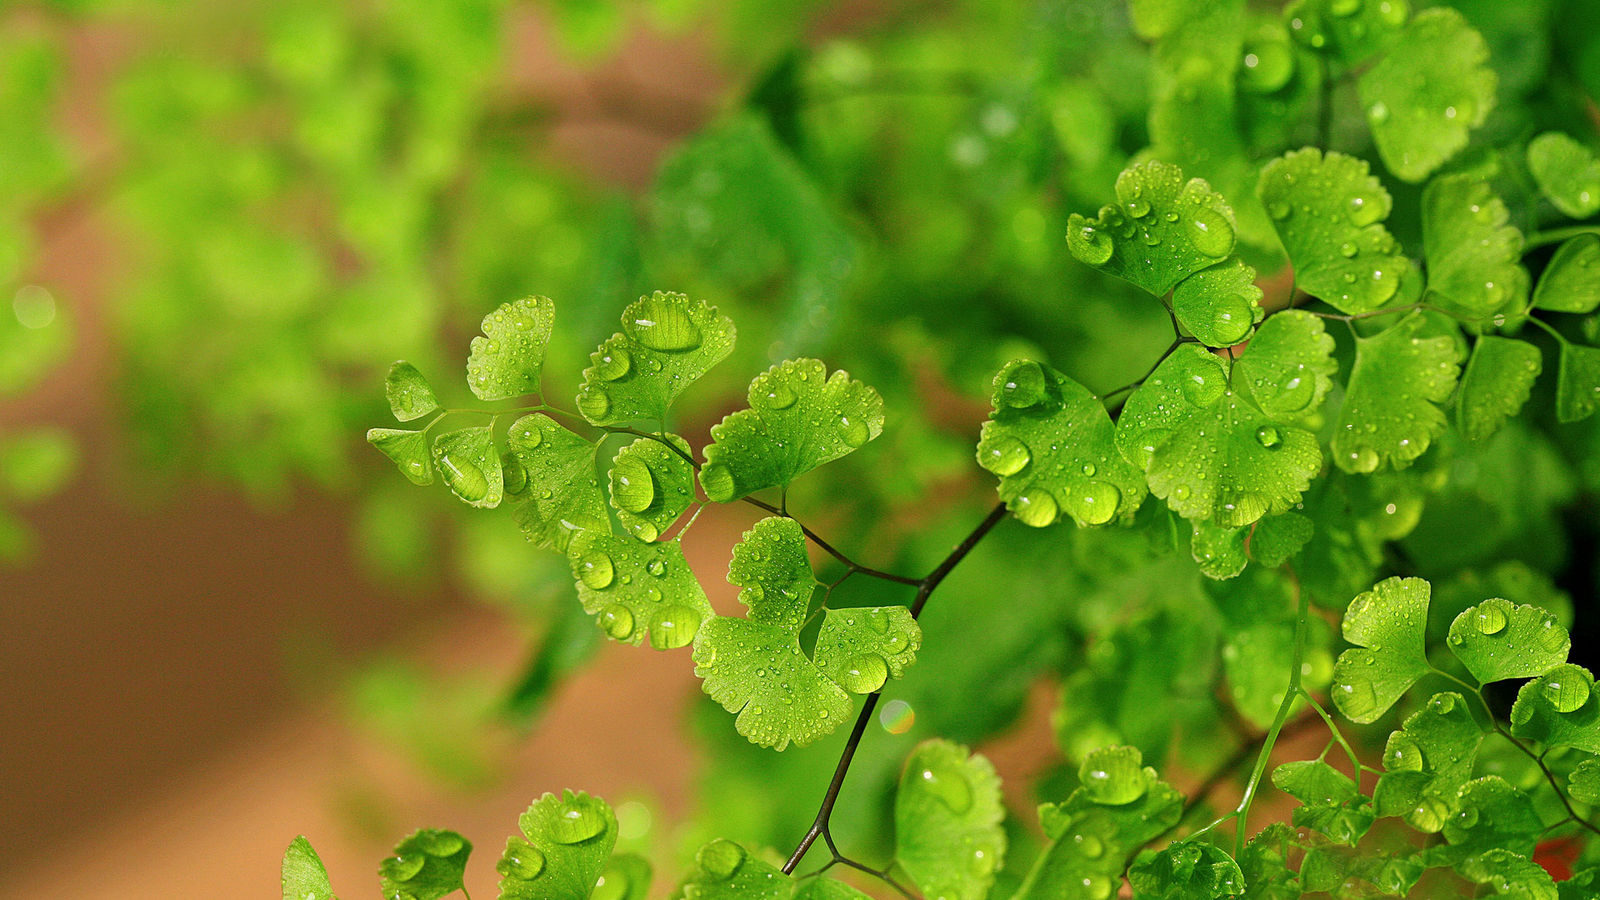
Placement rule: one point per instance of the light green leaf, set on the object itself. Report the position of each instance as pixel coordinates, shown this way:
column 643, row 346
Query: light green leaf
column 636, row 590
column 1219, row 305
column 724, row 871
column 947, row 815
column 1559, row 709
column 1391, row 413
column 754, row 667
column 1584, row 783
column 1339, row 870
column 560, row 494
column 1346, row 31
column 1577, row 383
column 667, row 342
column 1164, row 230
column 1289, row 365
column 1331, row 803
column 1567, row 173
column 1090, row 842
column 1388, row 625
column 1329, row 213
column 1219, row 551
column 1186, row 870
column 1474, row 255
column 410, row 396
column 426, row 865
column 651, row 485
column 1253, row 658
column 799, row 418
column 627, row 877
column 1113, row 776
column 1496, row 640
column 1425, row 95
column 304, row 875
column 1510, row 875
column 1427, row 761
column 1208, row 451
column 565, row 844
column 1571, row 281
column 861, row 648
column 470, row 465
column 37, row 463
column 406, row 449
column 1053, row 447
column 1496, row 384
column 506, row 362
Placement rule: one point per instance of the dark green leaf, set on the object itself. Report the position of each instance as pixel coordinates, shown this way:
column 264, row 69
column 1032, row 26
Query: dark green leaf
column 1391, row 410
column 1571, row 281
column 1577, row 383
column 1567, row 173
column 1474, row 255
column 1496, row 384
column 1331, row 802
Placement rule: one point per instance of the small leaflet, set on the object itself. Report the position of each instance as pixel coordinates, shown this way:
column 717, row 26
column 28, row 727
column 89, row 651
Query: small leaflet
column 1387, row 625
column 507, row 360
column 1567, row 173
column 667, row 342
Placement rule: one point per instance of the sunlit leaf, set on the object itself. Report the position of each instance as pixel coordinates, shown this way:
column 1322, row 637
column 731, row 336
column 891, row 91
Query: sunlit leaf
column 637, row 590
column 652, row 484
column 1510, row 875
column 947, row 816
column 1388, row 625
column 560, row 494
column 667, row 342
column 565, row 844
column 470, row 465
column 1289, row 365
column 1497, row 640
column 410, row 396
column 507, row 360
column 427, row 865
column 406, row 449
column 1219, row 305
column 1567, row 172
column 304, row 876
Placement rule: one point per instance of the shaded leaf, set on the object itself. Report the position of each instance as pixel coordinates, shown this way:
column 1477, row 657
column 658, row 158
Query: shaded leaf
column 426, row 865
column 1559, row 709
column 1388, row 625
column 1583, row 785
column 1186, row 870
column 1330, row 802
column 1496, row 384
column 1571, row 280
column 1510, row 875
column 1567, row 172
column 1474, row 254
column 1345, row 31
column 1577, row 383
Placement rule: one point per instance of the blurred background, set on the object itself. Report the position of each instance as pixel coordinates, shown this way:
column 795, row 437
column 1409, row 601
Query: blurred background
column 230, row 622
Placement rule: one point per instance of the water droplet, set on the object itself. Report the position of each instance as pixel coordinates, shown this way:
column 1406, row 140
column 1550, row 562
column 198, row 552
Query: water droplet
column 1269, row 437
column 717, row 480
column 1003, row 454
column 1344, row 7
column 1361, row 459
column 949, row 787
column 1443, row 704
column 673, row 626
column 1089, row 845
column 594, row 402
column 1022, row 384
column 521, row 860
column 613, row 885
column 1429, row 815
column 613, row 364
column 1037, row 507
column 1378, row 113
column 616, row 621
column 1363, row 210
column 577, row 822
column 440, row 843
column 404, row 868
column 1403, row 754
column 1097, row 887
column 662, row 322
column 1114, row 776
column 632, row 485
column 1348, row 249
column 1467, row 818
column 1491, row 617
column 776, row 393
column 720, row 859
column 854, row 430
column 1210, row 232
column 1567, row 688
column 645, row 530
column 982, row 863
column 464, row 477
column 1204, row 388
column 1138, row 207
column 596, row 571
column 656, row 567
column 866, row 673
column 1096, row 502
column 1090, row 244
column 514, row 475
column 1232, row 320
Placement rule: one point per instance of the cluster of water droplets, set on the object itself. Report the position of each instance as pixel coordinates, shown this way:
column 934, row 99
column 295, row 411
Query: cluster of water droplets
column 506, row 361
column 669, row 624
column 662, row 323
column 577, row 821
column 413, row 856
column 1347, row 21
column 1359, row 287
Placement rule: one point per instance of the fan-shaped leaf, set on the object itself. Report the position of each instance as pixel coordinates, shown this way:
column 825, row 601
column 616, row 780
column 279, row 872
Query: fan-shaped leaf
column 1391, row 413
column 1331, row 802
column 1425, row 95
column 470, row 465
column 861, row 648
column 1496, row 384
column 1349, row 32
column 1571, row 282
column 1510, row 875
column 1219, row 305
column 406, row 449
column 560, row 494
column 1427, row 761
column 724, row 871
column 565, row 845
column 304, row 875
column 1186, row 870
column 1053, row 447
column 1584, row 782
column 1496, row 640
column 1329, row 212
column 1474, row 256
column 1388, row 625
column 410, row 396
column 651, row 485
column 947, row 816
column 667, row 342
column 1493, row 814
column 507, row 360
column 426, row 865
column 1567, row 173
column 799, row 418
column 1289, row 365
column 1577, row 382
column 1559, row 709
column 636, row 590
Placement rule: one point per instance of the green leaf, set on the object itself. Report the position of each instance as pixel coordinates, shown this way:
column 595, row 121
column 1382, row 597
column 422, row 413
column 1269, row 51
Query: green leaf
column 947, row 815
column 1474, row 255
column 1208, row 451
column 1559, row 709
column 1496, row 640
column 627, row 877
column 1425, row 95
column 1053, row 447
column 1493, row 814
column 754, row 667
column 651, row 485
column 1277, row 538
column 1496, row 384
column 1265, row 865
column 304, row 875
column 1252, row 658
column 565, row 844
column 1186, row 870
column 1510, row 875
column 34, row 336
column 1329, row 213
column 410, row 396
column 1113, row 776
column 1289, row 365
column 470, row 465
column 506, row 362
column 1391, row 413
column 1164, row 230
column 1388, row 625
column 1567, row 172
column 1577, row 383
column 1331, row 803
column 1345, row 31
column 1571, row 280
column 1427, row 761
column 637, row 589
column 799, row 418
column 724, row 871
column 406, row 449
column 1219, row 551
column 1219, row 305
column 1583, row 785
column 560, row 494
column 426, row 865
column 667, row 342
column 1090, row 842
column 1337, row 869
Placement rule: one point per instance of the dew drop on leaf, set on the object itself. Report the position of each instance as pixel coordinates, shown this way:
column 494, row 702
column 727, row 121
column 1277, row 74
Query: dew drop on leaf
column 440, row 843
column 1097, row 502
column 404, row 868
column 656, row 567
column 855, row 431
column 949, row 786
column 617, row 622
column 1269, row 437
column 522, row 860
column 1089, row 845
column 594, row 402
column 1092, row 245
column 1003, row 454
column 633, row 487
column 866, row 673
column 720, row 859
column 515, row 476
column 673, row 627
column 465, row 478
column 778, row 395
column 1210, row 233
column 1203, row 390
column 1403, row 754
column 660, row 324
column 1037, row 507
column 1022, row 384
column 1491, row 617
column 1567, row 688
column 596, row 571
column 717, row 480
column 576, row 824
column 613, row 364
column 1138, row 207
column 1429, row 815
